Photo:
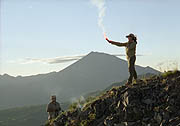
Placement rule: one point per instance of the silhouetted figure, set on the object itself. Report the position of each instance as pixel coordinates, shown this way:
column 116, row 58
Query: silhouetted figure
column 131, row 54
column 53, row 108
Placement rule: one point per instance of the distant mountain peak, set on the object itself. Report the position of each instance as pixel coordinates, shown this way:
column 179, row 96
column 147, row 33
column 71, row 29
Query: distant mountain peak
column 102, row 55
column 96, row 53
column 99, row 53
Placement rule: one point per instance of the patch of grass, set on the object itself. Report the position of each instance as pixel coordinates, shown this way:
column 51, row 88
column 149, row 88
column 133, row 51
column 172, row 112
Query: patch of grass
column 88, row 102
column 49, row 123
column 92, row 116
column 73, row 106
column 168, row 73
column 84, row 123
column 87, row 122
column 90, row 99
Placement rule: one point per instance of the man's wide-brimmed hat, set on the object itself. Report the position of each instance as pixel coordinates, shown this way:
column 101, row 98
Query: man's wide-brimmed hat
column 130, row 35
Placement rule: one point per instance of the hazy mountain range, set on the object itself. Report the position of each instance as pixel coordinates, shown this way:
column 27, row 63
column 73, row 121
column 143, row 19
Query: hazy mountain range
column 96, row 71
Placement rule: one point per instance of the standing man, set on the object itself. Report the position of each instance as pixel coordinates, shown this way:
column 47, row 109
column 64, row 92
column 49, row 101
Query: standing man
column 131, row 54
column 53, row 108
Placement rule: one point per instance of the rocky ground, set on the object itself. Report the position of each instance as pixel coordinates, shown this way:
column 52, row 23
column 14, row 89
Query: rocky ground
column 153, row 101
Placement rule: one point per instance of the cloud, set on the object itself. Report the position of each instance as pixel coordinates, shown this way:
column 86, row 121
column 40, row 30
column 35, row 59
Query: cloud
column 55, row 60
column 50, row 60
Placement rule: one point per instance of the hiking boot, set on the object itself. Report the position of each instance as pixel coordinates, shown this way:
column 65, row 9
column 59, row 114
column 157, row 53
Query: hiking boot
column 138, row 80
column 128, row 84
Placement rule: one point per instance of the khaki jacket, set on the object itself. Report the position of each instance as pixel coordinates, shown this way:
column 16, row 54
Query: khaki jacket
column 53, row 110
column 130, row 48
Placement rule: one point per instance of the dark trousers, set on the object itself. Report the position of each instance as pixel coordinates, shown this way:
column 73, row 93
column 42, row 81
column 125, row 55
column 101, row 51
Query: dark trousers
column 132, row 70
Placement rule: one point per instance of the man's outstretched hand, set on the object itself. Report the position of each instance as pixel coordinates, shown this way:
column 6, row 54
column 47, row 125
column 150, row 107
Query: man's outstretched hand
column 108, row 40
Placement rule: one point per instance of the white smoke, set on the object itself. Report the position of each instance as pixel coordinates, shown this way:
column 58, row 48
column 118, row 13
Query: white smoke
column 79, row 101
column 100, row 4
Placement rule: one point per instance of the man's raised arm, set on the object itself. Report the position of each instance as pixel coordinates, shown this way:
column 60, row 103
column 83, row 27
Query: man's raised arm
column 117, row 43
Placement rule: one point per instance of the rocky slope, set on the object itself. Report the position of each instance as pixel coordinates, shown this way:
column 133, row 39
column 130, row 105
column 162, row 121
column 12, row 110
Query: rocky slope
column 153, row 101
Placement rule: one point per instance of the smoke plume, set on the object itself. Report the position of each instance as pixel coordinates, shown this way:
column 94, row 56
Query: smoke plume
column 100, row 4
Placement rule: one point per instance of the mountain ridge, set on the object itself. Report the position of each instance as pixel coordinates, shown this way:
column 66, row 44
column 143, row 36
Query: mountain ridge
column 93, row 72
column 101, row 53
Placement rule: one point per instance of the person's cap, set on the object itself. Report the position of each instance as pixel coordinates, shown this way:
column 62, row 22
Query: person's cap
column 53, row 96
column 130, row 35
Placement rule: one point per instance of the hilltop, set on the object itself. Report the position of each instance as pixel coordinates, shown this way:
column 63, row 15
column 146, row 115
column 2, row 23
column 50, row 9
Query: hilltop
column 153, row 101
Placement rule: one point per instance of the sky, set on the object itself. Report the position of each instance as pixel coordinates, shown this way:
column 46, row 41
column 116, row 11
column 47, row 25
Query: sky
column 34, row 34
